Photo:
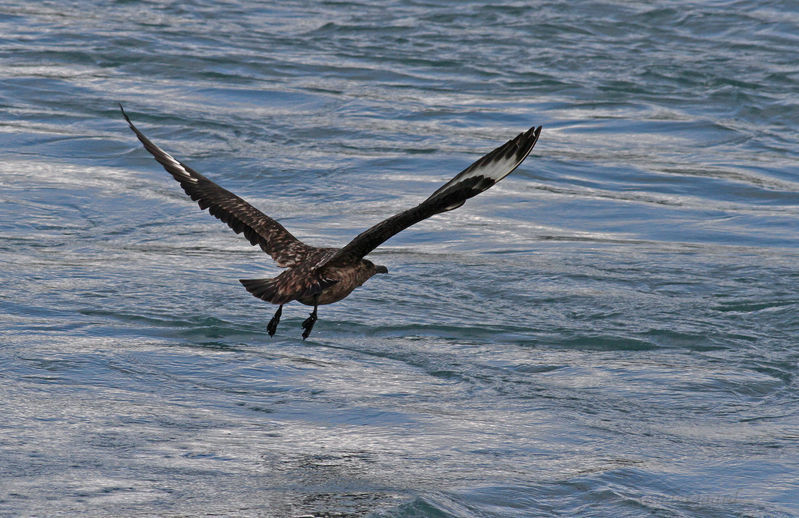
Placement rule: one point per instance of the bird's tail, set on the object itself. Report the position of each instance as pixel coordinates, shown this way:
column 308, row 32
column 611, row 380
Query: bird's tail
column 264, row 289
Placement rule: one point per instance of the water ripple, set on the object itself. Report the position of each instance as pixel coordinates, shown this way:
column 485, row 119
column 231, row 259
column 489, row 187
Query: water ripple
column 609, row 330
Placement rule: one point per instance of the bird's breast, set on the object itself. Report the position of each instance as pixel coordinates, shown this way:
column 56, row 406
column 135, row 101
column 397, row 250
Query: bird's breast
column 347, row 280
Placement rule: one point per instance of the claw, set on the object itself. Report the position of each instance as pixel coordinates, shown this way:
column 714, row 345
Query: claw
column 307, row 325
column 271, row 327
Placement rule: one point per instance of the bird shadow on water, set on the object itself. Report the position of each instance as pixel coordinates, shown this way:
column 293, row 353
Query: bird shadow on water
column 197, row 330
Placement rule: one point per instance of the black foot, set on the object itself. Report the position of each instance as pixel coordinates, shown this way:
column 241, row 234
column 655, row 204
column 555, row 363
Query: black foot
column 271, row 327
column 308, row 325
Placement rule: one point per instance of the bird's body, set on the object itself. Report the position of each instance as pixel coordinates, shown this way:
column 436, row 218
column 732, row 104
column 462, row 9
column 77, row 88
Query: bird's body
column 301, row 281
column 316, row 276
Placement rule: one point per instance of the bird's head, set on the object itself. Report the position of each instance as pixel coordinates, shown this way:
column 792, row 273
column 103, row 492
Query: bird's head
column 375, row 268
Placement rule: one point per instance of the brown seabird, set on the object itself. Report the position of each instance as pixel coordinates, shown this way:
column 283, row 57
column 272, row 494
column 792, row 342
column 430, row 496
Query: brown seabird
column 316, row 276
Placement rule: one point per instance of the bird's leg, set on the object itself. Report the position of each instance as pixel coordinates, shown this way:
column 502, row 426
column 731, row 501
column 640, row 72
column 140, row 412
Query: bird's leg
column 309, row 322
column 271, row 327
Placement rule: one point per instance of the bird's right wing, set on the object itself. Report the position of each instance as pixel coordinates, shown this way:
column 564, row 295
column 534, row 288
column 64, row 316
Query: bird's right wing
column 470, row 182
column 258, row 228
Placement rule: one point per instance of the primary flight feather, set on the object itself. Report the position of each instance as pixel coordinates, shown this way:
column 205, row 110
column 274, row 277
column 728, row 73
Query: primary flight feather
column 316, row 276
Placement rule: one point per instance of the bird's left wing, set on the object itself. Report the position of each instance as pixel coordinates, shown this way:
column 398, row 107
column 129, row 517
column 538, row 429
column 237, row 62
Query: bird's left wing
column 258, row 228
column 470, row 182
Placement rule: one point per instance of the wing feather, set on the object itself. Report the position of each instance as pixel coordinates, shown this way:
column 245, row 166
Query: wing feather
column 258, row 228
column 470, row 182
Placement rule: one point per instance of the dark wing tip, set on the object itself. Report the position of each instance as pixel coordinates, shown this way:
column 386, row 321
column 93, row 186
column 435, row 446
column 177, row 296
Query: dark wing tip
column 536, row 132
column 124, row 114
column 527, row 140
column 522, row 145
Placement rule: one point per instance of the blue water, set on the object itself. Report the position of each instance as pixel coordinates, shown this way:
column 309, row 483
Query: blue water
column 610, row 331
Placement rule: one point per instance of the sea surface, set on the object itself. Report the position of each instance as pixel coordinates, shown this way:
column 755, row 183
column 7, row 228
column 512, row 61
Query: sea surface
column 613, row 330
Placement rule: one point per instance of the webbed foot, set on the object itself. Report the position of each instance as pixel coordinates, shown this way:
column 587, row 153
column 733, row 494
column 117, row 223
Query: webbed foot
column 271, row 327
column 307, row 325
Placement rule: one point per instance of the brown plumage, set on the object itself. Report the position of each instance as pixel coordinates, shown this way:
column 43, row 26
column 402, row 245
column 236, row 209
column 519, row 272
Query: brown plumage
column 316, row 276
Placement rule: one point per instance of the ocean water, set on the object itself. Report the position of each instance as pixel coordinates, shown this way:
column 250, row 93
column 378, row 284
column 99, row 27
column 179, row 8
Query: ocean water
column 613, row 330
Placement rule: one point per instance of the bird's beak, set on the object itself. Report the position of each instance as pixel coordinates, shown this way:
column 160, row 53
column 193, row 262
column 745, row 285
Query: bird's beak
column 381, row 269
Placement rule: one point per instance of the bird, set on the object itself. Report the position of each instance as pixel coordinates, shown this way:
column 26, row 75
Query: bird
column 315, row 276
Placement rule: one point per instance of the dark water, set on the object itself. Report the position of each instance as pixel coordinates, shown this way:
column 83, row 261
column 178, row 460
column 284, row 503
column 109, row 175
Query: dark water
column 611, row 331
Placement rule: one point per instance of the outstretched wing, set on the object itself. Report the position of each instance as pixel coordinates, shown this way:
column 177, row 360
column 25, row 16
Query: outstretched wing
column 258, row 228
column 470, row 182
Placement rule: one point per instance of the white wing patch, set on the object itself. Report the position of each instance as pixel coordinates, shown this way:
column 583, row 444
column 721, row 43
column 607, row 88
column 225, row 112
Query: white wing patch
column 178, row 167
